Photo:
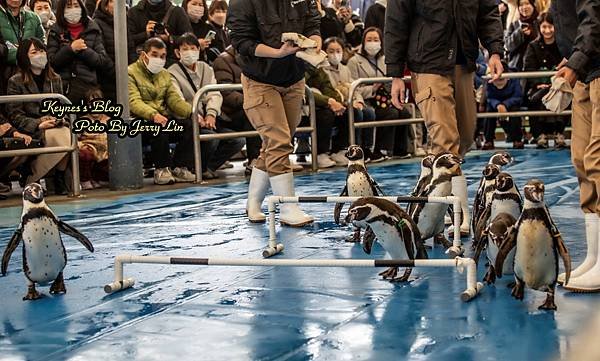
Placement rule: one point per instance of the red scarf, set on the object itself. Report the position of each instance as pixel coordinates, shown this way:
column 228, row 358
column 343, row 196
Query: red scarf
column 75, row 30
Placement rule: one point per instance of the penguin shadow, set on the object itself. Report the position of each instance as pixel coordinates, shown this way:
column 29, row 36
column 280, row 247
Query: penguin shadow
column 36, row 340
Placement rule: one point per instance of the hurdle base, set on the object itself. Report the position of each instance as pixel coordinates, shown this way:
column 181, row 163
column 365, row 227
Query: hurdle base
column 271, row 251
column 471, row 293
column 119, row 285
column 455, row 251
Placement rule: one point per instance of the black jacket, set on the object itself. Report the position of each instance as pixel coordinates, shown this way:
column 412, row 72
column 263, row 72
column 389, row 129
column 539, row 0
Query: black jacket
column 254, row 22
column 227, row 71
column 424, row 34
column 139, row 15
column 540, row 57
column 375, row 16
column 516, row 43
column 332, row 26
column 577, row 27
column 83, row 64
column 106, row 23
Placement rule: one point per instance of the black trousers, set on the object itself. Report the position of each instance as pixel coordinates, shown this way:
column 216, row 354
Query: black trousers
column 239, row 122
column 325, row 122
column 160, row 152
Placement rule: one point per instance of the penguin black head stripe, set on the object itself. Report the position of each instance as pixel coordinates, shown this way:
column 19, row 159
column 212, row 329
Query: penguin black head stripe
column 504, row 182
column 33, row 193
column 501, row 158
column 491, row 171
column 359, row 212
column 534, row 191
column 449, row 161
column 355, row 152
column 427, row 162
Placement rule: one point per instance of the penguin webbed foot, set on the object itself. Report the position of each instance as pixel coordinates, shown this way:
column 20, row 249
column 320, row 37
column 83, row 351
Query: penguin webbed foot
column 441, row 239
column 403, row 278
column 32, row 294
column 355, row 237
column 58, row 286
column 389, row 273
column 490, row 276
column 549, row 303
column 518, row 290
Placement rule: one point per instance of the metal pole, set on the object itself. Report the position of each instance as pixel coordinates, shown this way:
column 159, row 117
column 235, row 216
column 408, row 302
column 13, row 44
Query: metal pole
column 125, row 154
column 313, row 126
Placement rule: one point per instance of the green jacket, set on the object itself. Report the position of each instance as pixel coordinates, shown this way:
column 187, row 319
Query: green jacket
column 317, row 78
column 30, row 27
column 150, row 94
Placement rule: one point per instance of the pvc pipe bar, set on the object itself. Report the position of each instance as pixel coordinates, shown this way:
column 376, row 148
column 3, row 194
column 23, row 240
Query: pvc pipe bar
column 273, row 248
column 472, row 290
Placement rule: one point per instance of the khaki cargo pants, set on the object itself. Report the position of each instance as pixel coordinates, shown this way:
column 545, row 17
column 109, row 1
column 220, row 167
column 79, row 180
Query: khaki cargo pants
column 447, row 102
column 585, row 143
column 275, row 113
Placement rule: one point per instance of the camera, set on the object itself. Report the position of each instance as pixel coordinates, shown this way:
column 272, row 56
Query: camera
column 159, row 29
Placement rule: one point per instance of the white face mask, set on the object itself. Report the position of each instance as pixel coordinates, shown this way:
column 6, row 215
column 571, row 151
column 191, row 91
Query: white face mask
column 335, row 59
column 73, row 15
column 195, row 12
column 44, row 16
column 373, row 47
column 189, row 57
column 39, row 61
column 155, row 65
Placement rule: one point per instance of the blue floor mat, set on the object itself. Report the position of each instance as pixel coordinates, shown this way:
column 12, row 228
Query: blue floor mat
column 267, row 313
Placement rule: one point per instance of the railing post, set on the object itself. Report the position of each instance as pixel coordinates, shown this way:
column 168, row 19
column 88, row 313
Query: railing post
column 313, row 125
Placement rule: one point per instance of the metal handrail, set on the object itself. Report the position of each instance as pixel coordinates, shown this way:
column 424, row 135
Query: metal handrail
column 73, row 148
column 384, row 123
column 312, row 129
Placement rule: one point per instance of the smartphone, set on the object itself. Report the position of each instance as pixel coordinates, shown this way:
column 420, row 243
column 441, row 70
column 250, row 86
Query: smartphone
column 210, row 36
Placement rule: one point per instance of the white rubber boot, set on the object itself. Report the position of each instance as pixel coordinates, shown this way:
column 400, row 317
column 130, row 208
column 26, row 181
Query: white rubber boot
column 579, row 275
column 290, row 214
column 257, row 189
column 459, row 189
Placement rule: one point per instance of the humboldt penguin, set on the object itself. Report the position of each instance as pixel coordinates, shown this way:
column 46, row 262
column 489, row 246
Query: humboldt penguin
column 494, row 237
column 358, row 184
column 44, row 255
column 484, row 197
column 538, row 245
column 430, row 216
column 506, row 199
column 395, row 231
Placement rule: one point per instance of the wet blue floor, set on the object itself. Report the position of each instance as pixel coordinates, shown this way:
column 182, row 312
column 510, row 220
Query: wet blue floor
column 243, row 313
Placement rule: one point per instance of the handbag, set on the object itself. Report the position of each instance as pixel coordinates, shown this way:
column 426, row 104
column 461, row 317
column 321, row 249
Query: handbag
column 382, row 98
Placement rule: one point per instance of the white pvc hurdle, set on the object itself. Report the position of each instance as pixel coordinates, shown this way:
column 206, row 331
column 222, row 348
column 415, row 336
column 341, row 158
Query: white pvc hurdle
column 274, row 248
column 472, row 290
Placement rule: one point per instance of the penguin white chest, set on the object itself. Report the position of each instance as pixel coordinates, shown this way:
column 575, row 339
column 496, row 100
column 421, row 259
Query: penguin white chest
column 431, row 217
column 492, row 253
column 507, row 206
column 359, row 185
column 535, row 259
column 390, row 239
column 44, row 250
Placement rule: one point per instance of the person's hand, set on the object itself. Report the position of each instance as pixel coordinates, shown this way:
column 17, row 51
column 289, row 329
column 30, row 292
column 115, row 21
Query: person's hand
column 4, row 128
column 481, row 108
column 26, row 138
column 562, row 63
column 376, row 87
column 526, row 30
column 358, row 105
column 78, row 45
column 501, row 108
column 160, row 119
column 150, row 27
column 47, row 122
column 495, row 66
column 201, row 121
column 398, row 90
column 335, row 106
column 210, row 122
column 543, row 86
column 204, row 44
column 288, row 48
column 344, row 15
column 568, row 74
column 166, row 37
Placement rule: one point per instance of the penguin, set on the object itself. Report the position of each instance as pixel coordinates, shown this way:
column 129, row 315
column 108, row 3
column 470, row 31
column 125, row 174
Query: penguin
column 395, row 231
column 483, row 198
column 538, row 245
column 430, row 216
column 358, row 184
column 44, row 255
column 494, row 237
column 425, row 176
column 506, row 199
column 498, row 159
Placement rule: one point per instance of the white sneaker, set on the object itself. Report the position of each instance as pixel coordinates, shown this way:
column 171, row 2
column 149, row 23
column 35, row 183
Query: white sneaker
column 420, row 152
column 163, row 176
column 183, row 175
column 323, row 161
column 339, row 158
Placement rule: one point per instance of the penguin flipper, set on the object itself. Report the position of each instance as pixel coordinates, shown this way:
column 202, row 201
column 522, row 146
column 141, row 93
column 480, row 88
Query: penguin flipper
column 337, row 210
column 10, row 248
column 70, row 231
column 377, row 192
column 480, row 245
column 481, row 224
column 509, row 243
column 564, row 254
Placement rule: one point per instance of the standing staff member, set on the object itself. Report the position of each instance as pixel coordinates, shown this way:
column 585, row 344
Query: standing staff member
column 273, row 85
column 578, row 37
column 439, row 42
